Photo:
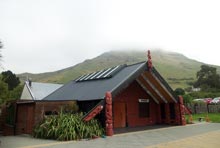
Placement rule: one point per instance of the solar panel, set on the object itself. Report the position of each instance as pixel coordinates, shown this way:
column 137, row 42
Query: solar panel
column 111, row 71
column 99, row 76
column 83, row 77
column 79, row 78
column 92, row 74
column 93, row 77
column 102, row 74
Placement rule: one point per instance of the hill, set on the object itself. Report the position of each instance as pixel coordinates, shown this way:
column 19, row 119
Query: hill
column 177, row 69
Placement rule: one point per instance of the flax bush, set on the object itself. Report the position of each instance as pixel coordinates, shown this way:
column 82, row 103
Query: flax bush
column 67, row 127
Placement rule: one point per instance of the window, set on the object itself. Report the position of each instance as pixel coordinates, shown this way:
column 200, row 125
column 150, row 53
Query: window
column 144, row 109
column 172, row 111
column 162, row 111
column 47, row 113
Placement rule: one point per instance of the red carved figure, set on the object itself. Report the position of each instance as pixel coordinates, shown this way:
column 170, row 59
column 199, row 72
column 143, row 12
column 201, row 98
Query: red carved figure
column 108, row 114
column 183, row 120
column 149, row 62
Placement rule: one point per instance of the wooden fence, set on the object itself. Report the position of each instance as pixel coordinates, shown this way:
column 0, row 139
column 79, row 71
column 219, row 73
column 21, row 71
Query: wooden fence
column 204, row 108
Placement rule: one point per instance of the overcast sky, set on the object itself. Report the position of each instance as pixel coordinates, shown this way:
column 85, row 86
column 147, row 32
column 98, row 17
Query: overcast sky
column 49, row 35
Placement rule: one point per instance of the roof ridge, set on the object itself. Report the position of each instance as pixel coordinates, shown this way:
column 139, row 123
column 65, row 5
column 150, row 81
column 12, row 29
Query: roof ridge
column 47, row 83
column 135, row 63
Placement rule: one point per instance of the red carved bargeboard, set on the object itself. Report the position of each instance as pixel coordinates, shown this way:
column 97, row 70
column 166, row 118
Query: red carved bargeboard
column 93, row 113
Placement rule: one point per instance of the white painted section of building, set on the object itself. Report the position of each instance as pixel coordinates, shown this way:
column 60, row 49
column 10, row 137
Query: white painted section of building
column 26, row 95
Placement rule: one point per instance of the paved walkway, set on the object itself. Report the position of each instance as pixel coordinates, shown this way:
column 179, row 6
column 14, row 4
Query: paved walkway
column 207, row 140
column 204, row 135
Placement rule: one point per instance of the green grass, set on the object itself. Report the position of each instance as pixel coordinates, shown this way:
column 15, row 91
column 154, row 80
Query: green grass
column 214, row 117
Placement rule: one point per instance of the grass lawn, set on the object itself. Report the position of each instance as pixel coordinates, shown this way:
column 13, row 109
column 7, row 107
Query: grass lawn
column 214, row 117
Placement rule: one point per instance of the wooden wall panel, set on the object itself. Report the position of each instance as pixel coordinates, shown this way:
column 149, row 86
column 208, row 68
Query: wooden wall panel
column 130, row 97
column 25, row 118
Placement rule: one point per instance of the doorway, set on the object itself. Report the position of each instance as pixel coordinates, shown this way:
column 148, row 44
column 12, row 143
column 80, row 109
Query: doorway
column 25, row 118
column 119, row 115
column 162, row 112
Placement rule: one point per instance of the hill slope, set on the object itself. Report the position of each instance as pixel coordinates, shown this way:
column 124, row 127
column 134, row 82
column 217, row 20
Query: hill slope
column 177, row 69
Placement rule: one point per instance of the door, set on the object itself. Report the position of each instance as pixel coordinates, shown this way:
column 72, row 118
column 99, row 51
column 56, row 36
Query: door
column 30, row 119
column 25, row 116
column 119, row 110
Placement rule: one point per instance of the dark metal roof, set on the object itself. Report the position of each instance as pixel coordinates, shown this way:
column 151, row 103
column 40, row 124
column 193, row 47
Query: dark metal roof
column 94, row 86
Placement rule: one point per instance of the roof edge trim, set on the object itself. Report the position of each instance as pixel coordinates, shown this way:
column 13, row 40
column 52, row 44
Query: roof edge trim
column 29, row 89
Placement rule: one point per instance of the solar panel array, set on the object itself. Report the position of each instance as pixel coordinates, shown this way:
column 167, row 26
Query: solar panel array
column 102, row 74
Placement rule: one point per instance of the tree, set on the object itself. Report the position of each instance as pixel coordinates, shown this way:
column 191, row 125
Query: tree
column 16, row 93
column 187, row 98
column 11, row 79
column 9, row 84
column 3, row 92
column 207, row 77
column 0, row 51
column 179, row 91
column 1, row 45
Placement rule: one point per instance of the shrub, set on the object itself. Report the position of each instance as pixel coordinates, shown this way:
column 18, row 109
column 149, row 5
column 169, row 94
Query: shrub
column 67, row 127
column 179, row 91
column 187, row 98
column 203, row 94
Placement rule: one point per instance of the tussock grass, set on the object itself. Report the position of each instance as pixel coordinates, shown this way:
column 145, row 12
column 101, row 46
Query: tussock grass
column 65, row 127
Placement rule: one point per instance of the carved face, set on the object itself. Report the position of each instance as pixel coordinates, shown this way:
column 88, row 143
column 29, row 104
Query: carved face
column 108, row 100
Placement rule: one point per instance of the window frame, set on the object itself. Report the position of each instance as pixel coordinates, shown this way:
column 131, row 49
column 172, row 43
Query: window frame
column 144, row 108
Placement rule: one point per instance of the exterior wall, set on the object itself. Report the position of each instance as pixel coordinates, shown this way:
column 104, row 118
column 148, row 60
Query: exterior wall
column 42, row 107
column 8, row 130
column 26, row 94
column 29, row 114
column 130, row 97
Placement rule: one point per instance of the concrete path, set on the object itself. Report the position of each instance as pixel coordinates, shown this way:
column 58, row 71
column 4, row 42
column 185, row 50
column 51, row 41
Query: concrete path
column 207, row 140
column 204, row 135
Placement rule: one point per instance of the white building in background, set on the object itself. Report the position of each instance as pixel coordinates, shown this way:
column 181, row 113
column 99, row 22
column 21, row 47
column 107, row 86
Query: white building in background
column 196, row 89
column 37, row 90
